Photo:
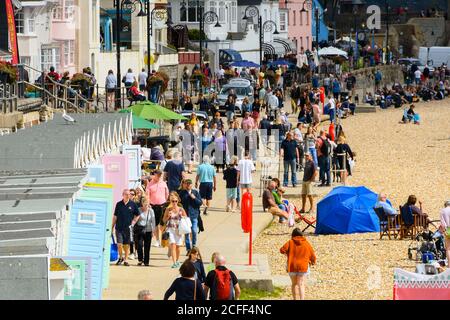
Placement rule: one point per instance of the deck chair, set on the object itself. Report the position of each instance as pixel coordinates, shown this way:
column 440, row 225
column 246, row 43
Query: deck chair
column 383, row 222
column 310, row 222
column 389, row 225
column 407, row 228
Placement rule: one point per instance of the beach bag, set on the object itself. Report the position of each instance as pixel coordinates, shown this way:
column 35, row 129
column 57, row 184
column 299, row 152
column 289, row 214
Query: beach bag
column 291, row 219
column 114, row 254
column 185, row 226
column 165, row 239
column 352, row 164
column 447, row 232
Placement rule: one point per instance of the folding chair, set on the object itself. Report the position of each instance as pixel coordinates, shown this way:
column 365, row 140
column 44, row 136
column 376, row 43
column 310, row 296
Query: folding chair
column 407, row 227
column 383, row 222
column 310, row 222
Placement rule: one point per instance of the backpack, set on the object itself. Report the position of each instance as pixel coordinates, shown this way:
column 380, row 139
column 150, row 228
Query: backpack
column 326, row 147
column 224, row 285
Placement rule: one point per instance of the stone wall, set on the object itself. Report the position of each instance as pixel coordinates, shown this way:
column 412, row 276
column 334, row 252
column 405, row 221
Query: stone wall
column 365, row 78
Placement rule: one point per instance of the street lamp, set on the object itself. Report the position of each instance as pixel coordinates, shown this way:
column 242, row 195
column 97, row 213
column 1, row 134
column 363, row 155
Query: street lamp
column 158, row 14
column 119, row 5
column 387, row 31
column 318, row 16
column 267, row 26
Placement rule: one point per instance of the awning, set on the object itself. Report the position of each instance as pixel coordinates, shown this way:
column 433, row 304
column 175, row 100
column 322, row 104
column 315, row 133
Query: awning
column 288, row 44
column 229, row 55
column 274, row 48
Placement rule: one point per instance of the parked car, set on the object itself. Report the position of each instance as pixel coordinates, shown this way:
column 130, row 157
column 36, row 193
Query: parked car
column 242, row 88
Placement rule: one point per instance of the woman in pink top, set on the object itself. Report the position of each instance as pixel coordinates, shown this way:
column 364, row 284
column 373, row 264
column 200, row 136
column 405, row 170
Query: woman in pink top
column 445, row 227
column 157, row 194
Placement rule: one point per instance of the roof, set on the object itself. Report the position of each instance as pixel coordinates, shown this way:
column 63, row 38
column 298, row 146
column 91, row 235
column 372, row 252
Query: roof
column 31, row 202
column 50, row 145
column 249, row 2
column 236, row 35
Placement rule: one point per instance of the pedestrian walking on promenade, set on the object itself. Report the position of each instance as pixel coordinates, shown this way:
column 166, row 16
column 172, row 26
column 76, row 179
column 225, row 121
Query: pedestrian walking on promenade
column 206, row 182
column 191, row 202
column 221, row 283
column 290, row 155
column 126, row 214
column 144, row 229
column 172, row 218
column 309, row 176
column 186, row 287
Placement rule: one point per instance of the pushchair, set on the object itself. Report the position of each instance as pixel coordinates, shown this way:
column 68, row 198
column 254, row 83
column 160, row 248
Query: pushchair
column 427, row 243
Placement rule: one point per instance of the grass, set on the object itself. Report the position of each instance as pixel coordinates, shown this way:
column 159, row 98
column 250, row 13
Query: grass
column 255, row 294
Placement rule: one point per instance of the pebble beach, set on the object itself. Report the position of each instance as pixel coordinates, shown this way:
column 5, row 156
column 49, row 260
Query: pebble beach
column 398, row 159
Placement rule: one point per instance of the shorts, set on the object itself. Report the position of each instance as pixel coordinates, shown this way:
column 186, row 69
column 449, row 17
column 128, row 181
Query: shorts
column 158, row 209
column 110, row 90
column 232, row 193
column 306, row 188
column 293, row 274
column 175, row 237
column 246, row 185
column 206, row 190
column 123, row 237
column 142, row 87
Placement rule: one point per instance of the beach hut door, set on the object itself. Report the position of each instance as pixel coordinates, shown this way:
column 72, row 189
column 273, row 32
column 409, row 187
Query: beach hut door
column 134, row 164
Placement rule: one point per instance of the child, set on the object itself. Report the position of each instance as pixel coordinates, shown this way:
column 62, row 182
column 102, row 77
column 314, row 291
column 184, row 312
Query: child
column 196, row 259
column 212, row 265
column 230, row 176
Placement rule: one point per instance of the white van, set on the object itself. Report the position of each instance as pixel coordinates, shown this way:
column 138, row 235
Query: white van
column 434, row 56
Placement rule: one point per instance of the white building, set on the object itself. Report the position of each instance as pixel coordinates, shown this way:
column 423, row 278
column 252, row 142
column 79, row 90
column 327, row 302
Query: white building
column 234, row 32
column 46, row 36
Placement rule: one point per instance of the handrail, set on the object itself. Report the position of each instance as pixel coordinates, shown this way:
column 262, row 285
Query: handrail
column 50, row 81
column 67, row 102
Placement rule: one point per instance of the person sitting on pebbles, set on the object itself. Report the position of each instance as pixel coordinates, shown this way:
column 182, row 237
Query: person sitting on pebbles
column 410, row 115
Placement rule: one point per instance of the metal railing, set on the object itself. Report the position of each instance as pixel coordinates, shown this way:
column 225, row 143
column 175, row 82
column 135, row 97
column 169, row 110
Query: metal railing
column 8, row 98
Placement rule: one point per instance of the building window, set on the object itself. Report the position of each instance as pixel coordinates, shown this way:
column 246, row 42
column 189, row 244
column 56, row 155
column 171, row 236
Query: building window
column 301, row 18
column 189, row 13
column 295, row 18
column 19, row 22
column 69, row 8
column 69, row 52
column 58, row 11
column 307, row 42
column 307, row 18
column 234, row 12
column 283, row 22
column 25, row 60
column 213, row 6
column 222, row 11
column 50, row 57
column 31, row 25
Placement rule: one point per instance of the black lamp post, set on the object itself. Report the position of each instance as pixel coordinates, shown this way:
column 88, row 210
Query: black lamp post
column 387, row 31
column 119, row 5
column 318, row 16
column 156, row 14
column 267, row 26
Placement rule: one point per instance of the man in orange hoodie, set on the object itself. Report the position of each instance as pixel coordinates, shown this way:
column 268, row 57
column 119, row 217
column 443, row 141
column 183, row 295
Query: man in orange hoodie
column 300, row 255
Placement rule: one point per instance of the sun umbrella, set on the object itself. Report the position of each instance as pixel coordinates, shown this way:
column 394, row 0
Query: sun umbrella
column 153, row 111
column 280, row 62
column 245, row 64
column 347, row 210
column 141, row 123
column 332, row 51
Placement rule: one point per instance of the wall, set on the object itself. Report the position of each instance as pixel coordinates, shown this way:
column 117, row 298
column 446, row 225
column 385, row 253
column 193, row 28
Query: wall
column 432, row 30
column 301, row 31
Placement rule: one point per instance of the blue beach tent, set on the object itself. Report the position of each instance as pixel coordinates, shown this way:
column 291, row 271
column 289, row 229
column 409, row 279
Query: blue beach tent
column 347, row 210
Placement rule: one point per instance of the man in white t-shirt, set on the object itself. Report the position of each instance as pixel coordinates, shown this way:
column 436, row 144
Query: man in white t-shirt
column 142, row 80
column 245, row 169
column 417, row 75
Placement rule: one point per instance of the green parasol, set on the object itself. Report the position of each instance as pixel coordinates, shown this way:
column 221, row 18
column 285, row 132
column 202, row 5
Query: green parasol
column 141, row 123
column 153, row 111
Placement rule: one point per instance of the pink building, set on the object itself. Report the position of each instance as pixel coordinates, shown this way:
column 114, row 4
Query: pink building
column 297, row 22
